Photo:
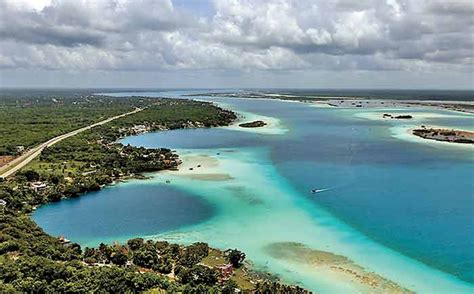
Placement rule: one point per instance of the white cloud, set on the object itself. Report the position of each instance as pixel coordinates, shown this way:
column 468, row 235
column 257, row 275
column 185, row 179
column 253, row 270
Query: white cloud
column 29, row 4
column 238, row 35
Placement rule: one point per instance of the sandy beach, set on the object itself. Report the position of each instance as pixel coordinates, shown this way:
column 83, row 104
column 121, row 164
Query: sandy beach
column 273, row 125
column 200, row 167
column 406, row 133
column 403, row 128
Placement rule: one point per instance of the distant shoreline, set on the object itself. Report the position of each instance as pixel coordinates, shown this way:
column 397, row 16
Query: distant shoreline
column 445, row 135
column 464, row 106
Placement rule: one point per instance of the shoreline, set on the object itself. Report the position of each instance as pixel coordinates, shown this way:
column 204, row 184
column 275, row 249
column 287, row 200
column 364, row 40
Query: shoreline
column 408, row 135
column 349, row 273
column 350, row 101
column 402, row 129
column 209, row 175
column 350, row 278
column 453, row 136
column 157, row 161
column 273, row 125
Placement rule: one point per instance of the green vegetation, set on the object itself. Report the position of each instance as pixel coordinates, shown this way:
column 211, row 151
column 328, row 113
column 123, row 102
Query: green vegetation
column 253, row 124
column 32, row 261
column 26, row 121
column 178, row 114
column 236, row 258
column 94, row 158
column 445, row 135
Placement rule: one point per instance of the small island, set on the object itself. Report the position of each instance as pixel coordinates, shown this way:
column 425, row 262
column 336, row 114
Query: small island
column 402, row 116
column 445, row 135
column 253, row 124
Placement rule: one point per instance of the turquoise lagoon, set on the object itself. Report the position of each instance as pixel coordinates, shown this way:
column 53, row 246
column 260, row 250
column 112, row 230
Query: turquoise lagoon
column 394, row 205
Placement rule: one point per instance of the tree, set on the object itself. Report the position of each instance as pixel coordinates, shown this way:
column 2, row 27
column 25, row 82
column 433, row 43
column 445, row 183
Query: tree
column 229, row 287
column 236, row 257
column 165, row 266
column 119, row 258
column 193, row 254
column 55, row 179
column 76, row 248
column 198, row 274
column 146, row 258
column 135, row 244
column 31, row 175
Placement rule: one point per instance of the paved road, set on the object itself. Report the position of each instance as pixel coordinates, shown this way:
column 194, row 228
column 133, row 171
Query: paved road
column 19, row 162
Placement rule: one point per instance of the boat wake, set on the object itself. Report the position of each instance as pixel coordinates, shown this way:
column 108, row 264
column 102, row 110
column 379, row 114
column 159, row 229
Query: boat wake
column 314, row 191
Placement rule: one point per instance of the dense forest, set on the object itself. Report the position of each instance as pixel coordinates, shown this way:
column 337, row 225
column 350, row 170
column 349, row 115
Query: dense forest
column 28, row 120
column 32, row 261
column 94, row 158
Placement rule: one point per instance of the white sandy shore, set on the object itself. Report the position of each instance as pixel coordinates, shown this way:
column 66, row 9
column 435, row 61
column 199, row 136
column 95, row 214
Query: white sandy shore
column 406, row 133
column 403, row 128
column 273, row 125
column 417, row 116
column 200, row 167
column 362, row 103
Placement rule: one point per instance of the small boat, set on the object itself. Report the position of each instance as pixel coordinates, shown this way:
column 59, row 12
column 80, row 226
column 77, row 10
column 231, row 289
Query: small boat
column 314, row 191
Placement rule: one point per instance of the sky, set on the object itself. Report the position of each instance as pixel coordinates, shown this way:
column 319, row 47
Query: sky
column 392, row 44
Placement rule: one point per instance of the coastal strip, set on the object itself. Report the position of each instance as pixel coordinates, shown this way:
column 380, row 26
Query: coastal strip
column 345, row 101
column 85, row 162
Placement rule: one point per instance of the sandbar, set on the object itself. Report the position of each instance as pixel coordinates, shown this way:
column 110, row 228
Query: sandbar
column 336, row 265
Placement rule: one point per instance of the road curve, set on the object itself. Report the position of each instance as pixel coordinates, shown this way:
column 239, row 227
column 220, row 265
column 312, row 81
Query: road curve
column 19, row 162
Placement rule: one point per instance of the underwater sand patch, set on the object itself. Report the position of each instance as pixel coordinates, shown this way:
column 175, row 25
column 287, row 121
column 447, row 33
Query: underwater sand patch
column 208, row 177
column 202, row 160
column 242, row 193
column 342, row 266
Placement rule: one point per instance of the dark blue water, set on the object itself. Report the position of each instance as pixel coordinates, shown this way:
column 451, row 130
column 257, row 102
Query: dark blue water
column 120, row 212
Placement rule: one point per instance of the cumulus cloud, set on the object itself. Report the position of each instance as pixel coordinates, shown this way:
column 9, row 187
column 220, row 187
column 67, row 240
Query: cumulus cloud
column 237, row 34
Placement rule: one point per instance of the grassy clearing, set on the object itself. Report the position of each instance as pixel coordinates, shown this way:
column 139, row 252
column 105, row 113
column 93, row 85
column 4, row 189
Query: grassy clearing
column 216, row 258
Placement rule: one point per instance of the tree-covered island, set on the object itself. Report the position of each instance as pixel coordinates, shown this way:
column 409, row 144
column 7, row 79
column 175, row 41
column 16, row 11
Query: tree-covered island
column 32, row 261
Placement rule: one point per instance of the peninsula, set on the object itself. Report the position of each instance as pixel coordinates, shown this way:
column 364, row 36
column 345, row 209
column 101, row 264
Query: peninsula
column 85, row 156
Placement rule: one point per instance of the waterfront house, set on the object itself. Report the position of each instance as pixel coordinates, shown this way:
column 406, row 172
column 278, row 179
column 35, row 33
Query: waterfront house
column 226, row 271
column 139, row 129
column 39, row 186
column 63, row 240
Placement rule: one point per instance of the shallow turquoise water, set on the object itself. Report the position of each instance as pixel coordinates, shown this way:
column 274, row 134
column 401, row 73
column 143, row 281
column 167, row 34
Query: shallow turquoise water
column 403, row 209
